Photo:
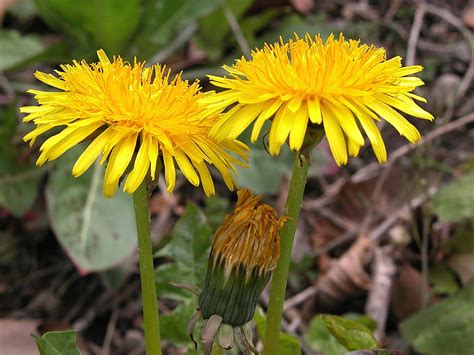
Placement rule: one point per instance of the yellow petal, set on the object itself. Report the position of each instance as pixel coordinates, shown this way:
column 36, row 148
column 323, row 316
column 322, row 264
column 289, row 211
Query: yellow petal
column 206, row 179
column 280, row 129
column 153, row 152
column 61, row 145
column 405, row 104
column 170, row 171
column 295, row 103
column 115, row 138
column 371, row 130
column 140, row 167
column 119, row 160
column 263, row 117
column 314, row 110
column 242, row 119
column 375, row 137
column 409, row 70
column 216, row 131
column 399, row 122
column 298, row 130
column 186, row 167
column 103, row 57
column 212, row 150
column 40, row 129
column 347, row 122
column 51, row 80
column 91, row 153
column 336, row 140
column 353, row 148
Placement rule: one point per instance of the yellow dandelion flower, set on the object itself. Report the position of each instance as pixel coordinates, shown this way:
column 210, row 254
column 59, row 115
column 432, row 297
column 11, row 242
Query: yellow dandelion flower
column 340, row 85
column 132, row 115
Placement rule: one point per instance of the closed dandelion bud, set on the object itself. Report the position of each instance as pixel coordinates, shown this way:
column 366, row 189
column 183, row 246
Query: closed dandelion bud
column 244, row 252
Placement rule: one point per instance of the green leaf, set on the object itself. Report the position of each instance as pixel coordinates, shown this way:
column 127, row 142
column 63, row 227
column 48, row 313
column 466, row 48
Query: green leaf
column 18, row 190
column 455, row 201
column 461, row 241
column 189, row 248
column 164, row 20
column 17, row 49
column 106, row 24
column 57, row 343
column 287, row 344
column 353, row 335
column 319, row 339
column 174, row 325
column 214, row 28
column 444, row 328
column 96, row 232
column 24, row 10
column 263, row 176
column 216, row 209
column 264, row 173
column 443, row 280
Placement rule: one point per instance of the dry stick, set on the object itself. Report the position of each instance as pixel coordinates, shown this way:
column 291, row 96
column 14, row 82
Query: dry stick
column 368, row 171
column 234, row 26
column 379, row 296
column 299, row 297
column 336, row 219
column 109, row 334
column 415, row 34
column 390, row 221
column 375, row 235
column 444, row 14
column 454, row 21
column 380, row 231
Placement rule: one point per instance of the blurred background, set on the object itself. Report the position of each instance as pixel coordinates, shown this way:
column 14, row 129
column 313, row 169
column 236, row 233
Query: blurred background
column 390, row 246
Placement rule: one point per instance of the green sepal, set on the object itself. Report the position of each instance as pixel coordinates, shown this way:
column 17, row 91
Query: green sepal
column 233, row 298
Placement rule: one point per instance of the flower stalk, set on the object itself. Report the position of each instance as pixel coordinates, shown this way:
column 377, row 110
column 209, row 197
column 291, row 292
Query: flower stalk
column 147, row 271
column 287, row 236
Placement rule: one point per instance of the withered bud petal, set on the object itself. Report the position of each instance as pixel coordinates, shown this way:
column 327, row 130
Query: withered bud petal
column 244, row 251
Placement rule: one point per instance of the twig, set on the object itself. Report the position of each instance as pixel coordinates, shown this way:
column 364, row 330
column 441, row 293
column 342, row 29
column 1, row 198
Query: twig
column 179, row 41
column 343, row 238
column 376, row 193
column 392, row 10
column 109, row 334
column 299, row 297
column 336, row 219
column 415, row 34
column 329, row 193
column 379, row 296
column 236, row 30
column 454, row 21
column 382, row 228
column 368, row 171
column 74, row 310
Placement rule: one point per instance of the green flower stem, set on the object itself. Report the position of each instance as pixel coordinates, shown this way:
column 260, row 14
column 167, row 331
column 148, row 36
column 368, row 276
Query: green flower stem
column 287, row 235
column 147, row 271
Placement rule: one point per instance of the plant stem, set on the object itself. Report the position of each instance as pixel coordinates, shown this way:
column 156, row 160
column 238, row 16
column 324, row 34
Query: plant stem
column 287, row 235
column 147, row 271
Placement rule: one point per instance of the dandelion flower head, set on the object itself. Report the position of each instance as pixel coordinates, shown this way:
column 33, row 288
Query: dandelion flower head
column 132, row 114
column 338, row 84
